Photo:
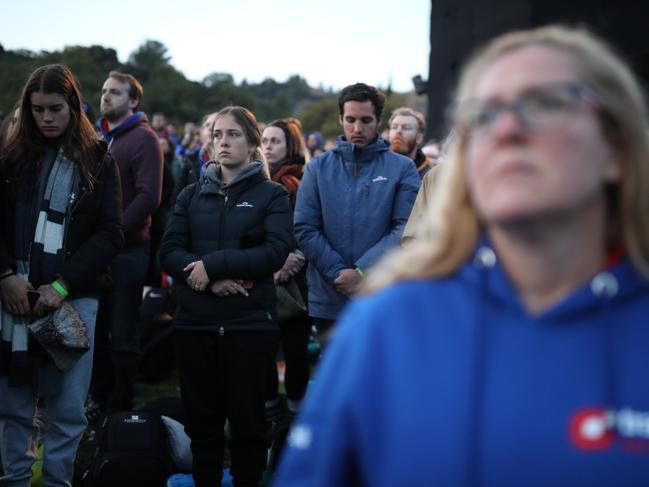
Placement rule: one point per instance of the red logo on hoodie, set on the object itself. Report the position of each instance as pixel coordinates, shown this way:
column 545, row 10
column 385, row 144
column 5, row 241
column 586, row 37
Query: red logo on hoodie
column 592, row 429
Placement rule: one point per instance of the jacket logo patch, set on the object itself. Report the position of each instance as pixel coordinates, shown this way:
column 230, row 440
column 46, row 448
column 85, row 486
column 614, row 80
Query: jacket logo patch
column 379, row 179
column 597, row 429
column 245, row 204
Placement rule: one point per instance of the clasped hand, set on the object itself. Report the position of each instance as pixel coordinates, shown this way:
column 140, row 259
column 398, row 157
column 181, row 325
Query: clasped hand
column 347, row 281
column 14, row 297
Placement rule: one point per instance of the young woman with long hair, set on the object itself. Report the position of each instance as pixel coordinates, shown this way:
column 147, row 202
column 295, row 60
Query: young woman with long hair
column 60, row 225
column 229, row 233
column 506, row 345
column 282, row 143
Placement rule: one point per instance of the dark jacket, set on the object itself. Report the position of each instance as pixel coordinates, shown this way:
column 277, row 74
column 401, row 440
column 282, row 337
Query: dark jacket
column 422, row 163
column 93, row 235
column 135, row 148
column 242, row 230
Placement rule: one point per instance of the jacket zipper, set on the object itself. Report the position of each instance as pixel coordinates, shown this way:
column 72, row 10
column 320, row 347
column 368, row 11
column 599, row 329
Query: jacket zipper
column 222, row 223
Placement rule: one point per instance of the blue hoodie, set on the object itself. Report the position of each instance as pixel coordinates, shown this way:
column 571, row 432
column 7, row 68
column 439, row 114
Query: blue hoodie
column 452, row 382
column 352, row 206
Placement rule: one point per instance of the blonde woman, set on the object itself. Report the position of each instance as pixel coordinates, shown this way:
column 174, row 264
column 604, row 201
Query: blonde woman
column 507, row 346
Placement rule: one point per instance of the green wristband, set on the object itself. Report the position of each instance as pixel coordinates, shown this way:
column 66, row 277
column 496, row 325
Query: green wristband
column 56, row 285
column 360, row 272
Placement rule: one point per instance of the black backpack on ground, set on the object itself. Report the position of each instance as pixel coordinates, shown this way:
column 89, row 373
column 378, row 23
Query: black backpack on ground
column 131, row 450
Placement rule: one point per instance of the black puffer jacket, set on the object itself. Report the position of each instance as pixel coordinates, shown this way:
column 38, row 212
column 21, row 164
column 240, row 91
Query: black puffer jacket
column 242, row 230
column 94, row 232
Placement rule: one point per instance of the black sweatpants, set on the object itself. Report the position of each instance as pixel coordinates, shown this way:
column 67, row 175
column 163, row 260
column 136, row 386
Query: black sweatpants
column 226, row 377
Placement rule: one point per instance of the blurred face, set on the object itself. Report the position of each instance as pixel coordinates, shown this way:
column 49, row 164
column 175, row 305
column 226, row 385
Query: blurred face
column 311, row 141
column 51, row 113
column 116, row 104
column 404, row 135
column 556, row 161
column 231, row 148
column 359, row 122
column 273, row 145
column 158, row 121
column 206, row 131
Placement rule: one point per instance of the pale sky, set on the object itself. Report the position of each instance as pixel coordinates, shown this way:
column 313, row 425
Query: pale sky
column 331, row 43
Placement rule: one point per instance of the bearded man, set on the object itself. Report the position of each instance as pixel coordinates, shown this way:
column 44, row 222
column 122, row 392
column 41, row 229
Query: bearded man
column 137, row 152
column 406, row 133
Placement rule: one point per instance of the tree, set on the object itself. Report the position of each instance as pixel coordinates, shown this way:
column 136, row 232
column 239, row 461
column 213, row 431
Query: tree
column 146, row 58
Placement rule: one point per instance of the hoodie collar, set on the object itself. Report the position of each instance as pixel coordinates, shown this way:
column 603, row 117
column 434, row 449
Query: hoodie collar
column 135, row 119
column 212, row 183
column 615, row 281
column 352, row 152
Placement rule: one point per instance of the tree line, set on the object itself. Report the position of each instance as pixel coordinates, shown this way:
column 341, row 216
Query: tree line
column 167, row 90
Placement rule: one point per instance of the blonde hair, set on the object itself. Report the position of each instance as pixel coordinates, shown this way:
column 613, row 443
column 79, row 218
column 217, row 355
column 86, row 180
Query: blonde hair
column 450, row 227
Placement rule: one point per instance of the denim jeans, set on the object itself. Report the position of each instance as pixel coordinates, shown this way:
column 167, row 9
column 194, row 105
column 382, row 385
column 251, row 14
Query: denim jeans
column 64, row 417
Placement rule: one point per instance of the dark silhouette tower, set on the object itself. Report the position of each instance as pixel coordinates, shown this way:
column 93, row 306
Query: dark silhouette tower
column 457, row 27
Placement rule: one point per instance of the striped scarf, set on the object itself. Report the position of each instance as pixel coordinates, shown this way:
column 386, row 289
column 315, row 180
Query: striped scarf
column 46, row 252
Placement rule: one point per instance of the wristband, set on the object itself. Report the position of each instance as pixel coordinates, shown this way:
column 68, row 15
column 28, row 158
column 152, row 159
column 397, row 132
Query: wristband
column 359, row 271
column 56, row 285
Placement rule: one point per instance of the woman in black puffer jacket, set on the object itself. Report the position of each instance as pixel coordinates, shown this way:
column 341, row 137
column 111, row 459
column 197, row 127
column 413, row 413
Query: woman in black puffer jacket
column 228, row 234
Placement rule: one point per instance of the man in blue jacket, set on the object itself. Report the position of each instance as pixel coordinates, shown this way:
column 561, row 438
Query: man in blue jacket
column 352, row 205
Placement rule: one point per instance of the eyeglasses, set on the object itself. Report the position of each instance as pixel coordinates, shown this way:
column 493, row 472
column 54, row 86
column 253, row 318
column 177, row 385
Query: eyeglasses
column 537, row 109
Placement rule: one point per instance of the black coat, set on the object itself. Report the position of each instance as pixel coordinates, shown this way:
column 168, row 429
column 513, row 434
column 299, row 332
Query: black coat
column 94, row 232
column 243, row 231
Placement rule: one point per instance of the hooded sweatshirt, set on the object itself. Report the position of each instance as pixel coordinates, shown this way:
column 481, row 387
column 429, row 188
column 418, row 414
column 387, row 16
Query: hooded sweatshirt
column 452, row 382
column 137, row 152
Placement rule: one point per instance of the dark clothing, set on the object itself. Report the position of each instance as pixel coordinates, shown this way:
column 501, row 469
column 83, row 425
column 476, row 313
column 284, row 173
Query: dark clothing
column 190, row 170
column 226, row 346
column 324, row 328
column 135, row 148
column 423, row 166
column 294, row 335
column 117, row 344
column 138, row 154
column 240, row 231
column 225, row 377
column 158, row 224
column 94, row 231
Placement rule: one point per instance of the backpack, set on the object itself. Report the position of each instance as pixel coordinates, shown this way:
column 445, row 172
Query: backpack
column 131, row 450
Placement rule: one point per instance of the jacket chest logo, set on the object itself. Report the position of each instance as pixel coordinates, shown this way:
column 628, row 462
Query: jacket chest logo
column 245, row 204
column 378, row 179
column 594, row 429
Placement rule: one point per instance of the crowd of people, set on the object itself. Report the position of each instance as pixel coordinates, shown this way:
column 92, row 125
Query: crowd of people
column 481, row 307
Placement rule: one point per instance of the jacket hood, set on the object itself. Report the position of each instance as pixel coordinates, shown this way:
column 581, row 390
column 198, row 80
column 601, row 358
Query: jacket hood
column 591, row 304
column 138, row 118
column 351, row 152
column 212, row 184
column 617, row 282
